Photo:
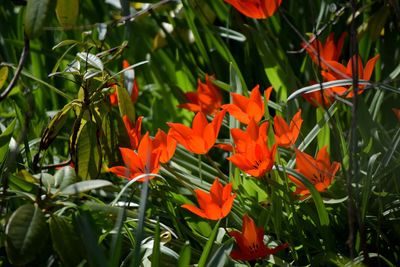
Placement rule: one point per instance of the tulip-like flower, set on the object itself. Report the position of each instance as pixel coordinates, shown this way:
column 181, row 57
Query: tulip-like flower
column 214, row 205
column 253, row 133
column 329, row 51
column 166, row 144
column 256, row 159
column 337, row 71
column 201, row 137
column 250, row 242
column 286, row 135
column 245, row 109
column 320, row 172
column 145, row 161
column 129, row 83
column 257, row 9
column 134, row 130
column 207, row 99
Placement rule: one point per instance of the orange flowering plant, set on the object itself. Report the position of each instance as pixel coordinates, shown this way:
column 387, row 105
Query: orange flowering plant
column 206, row 99
column 144, row 161
column 319, row 171
column 250, row 242
column 286, row 135
column 245, row 109
column 201, row 137
column 214, row 205
column 337, row 207
column 337, row 71
column 257, row 9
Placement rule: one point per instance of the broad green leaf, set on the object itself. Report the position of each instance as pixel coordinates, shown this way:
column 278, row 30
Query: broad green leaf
column 65, row 241
column 26, row 234
column 91, row 59
column 35, row 16
column 3, row 75
column 5, row 138
column 184, row 258
column 85, row 186
column 67, row 12
column 88, row 153
column 55, row 126
column 207, row 249
column 125, row 104
column 64, row 177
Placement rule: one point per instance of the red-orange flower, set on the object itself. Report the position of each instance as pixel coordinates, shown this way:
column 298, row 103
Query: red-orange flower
column 320, row 171
column 257, row 9
column 129, row 83
column 253, row 133
column 207, row 99
column 201, row 137
column 166, row 144
column 328, row 51
column 337, row 71
column 134, row 131
column 250, row 242
column 286, row 135
column 256, row 159
column 145, row 161
column 244, row 109
column 214, row 205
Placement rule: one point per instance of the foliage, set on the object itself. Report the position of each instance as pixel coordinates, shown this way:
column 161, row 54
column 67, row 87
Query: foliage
column 60, row 137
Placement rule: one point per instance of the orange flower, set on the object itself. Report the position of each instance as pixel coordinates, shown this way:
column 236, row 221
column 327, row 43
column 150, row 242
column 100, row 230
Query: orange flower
column 257, row 9
column 133, row 131
column 250, row 242
column 207, row 99
column 244, row 109
column 166, row 144
column 286, row 135
column 253, row 133
column 396, row 112
column 337, row 71
column 256, row 159
column 129, row 83
column 201, row 137
column 328, row 51
column 214, row 205
column 320, row 172
column 145, row 161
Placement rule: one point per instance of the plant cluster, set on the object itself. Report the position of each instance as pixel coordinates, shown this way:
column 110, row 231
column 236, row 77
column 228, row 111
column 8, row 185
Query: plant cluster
column 199, row 133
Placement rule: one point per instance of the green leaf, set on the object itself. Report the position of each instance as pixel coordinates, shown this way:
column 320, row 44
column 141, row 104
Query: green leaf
column 85, row 186
column 65, row 241
column 88, row 157
column 5, row 138
column 67, row 12
column 125, row 104
column 208, row 246
column 3, row 75
column 26, row 234
column 91, row 59
column 184, row 258
column 35, row 16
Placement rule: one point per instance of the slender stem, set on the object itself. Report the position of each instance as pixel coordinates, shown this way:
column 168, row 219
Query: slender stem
column 212, row 162
column 21, row 63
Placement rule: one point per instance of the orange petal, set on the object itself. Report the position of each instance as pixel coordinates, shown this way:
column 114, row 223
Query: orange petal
column 369, row 68
column 195, row 210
